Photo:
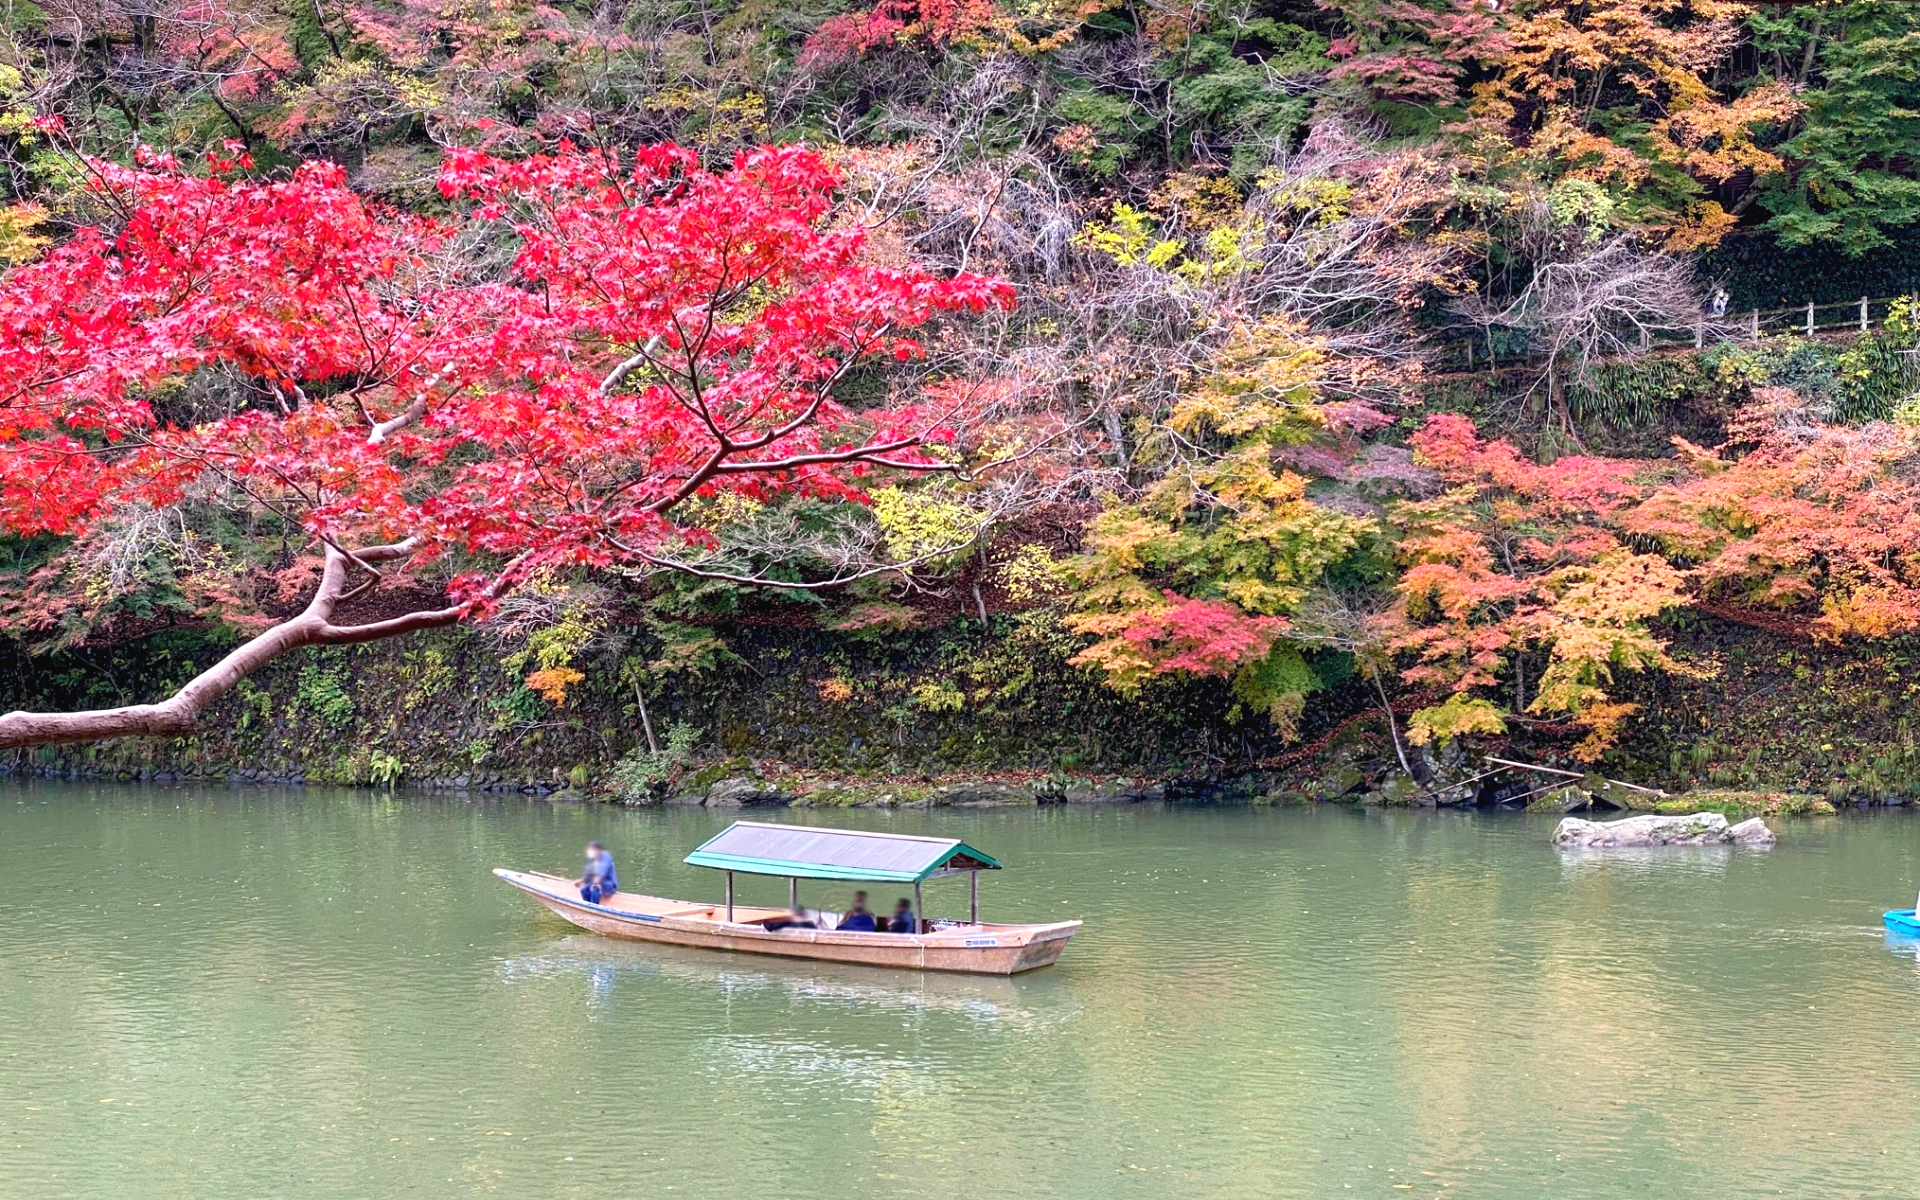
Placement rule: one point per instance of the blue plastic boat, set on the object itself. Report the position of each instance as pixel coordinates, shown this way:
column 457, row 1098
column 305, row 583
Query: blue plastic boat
column 1902, row 921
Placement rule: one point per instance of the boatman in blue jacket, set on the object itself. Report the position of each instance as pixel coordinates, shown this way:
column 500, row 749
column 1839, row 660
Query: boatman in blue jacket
column 599, row 881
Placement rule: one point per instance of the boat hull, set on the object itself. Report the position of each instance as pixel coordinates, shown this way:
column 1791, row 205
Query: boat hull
column 974, row 949
column 1902, row 921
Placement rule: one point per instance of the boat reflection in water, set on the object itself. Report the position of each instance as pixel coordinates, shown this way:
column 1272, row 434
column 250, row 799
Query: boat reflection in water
column 1902, row 927
column 604, row 965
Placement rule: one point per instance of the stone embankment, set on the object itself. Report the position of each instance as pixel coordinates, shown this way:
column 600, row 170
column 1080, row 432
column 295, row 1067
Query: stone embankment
column 748, row 792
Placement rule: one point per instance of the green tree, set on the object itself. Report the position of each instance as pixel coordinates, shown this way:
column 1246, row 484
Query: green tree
column 1854, row 173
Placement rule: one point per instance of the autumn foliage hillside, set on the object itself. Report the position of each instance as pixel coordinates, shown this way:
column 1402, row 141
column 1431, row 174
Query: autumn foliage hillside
column 1346, row 361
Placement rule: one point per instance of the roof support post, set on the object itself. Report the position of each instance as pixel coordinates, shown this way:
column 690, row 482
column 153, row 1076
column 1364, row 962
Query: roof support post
column 919, row 913
column 973, row 897
column 729, row 897
column 793, row 892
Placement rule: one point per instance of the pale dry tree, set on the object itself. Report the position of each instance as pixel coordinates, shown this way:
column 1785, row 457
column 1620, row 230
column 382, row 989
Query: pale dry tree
column 1591, row 299
column 1327, row 242
column 142, row 57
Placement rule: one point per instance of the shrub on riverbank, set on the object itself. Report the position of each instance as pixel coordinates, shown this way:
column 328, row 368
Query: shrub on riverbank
column 1786, row 715
column 1734, row 803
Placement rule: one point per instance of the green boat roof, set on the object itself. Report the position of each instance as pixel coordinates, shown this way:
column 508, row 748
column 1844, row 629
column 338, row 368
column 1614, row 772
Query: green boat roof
column 809, row 852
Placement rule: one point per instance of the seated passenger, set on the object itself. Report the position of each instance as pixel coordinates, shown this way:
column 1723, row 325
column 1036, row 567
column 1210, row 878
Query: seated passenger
column 857, row 919
column 797, row 919
column 903, row 921
column 599, row 881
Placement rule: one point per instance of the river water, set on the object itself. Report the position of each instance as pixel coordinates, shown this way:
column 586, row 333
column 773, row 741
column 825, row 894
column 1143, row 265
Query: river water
column 212, row 993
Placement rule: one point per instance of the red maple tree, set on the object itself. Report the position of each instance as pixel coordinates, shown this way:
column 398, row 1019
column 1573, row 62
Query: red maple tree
column 359, row 377
column 939, row 22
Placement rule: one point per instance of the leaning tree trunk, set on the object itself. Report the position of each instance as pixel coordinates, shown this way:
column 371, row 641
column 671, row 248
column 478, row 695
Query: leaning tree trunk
column 178, row 714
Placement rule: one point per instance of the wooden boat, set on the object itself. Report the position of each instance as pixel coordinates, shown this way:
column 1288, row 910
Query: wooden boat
column 1902, row 921
column 806, row 852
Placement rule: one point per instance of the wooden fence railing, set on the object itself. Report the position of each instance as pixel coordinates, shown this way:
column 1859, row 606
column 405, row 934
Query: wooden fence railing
column 1490, row 348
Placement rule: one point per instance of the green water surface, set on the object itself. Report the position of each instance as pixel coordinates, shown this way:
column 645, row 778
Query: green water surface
column 208, row 993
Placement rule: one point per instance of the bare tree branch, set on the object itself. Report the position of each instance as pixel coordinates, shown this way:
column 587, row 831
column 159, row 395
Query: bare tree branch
column 178, row 715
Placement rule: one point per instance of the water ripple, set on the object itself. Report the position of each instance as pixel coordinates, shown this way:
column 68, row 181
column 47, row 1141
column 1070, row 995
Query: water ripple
column 214, row 993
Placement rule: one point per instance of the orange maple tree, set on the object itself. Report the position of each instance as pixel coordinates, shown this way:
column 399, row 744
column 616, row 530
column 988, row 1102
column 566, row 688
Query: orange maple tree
column 1515, row 560
column 1810, row 517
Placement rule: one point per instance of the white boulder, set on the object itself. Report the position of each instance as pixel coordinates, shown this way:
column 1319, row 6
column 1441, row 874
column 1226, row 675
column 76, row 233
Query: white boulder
column 1694, row 829
column 1750, row 832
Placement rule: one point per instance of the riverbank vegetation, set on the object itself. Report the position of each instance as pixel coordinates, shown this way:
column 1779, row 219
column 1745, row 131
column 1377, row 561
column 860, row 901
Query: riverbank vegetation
column 1397, row 377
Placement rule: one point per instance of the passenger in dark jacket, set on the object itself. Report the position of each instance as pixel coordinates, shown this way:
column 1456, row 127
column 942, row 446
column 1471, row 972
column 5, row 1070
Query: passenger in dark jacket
column 797, row 919
column 857, row 919
column 903, row 921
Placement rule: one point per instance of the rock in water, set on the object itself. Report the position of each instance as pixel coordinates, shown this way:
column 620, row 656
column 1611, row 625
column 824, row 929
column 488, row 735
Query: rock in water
column 1751, row 832
column 741, row 792
column 1697, row 829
